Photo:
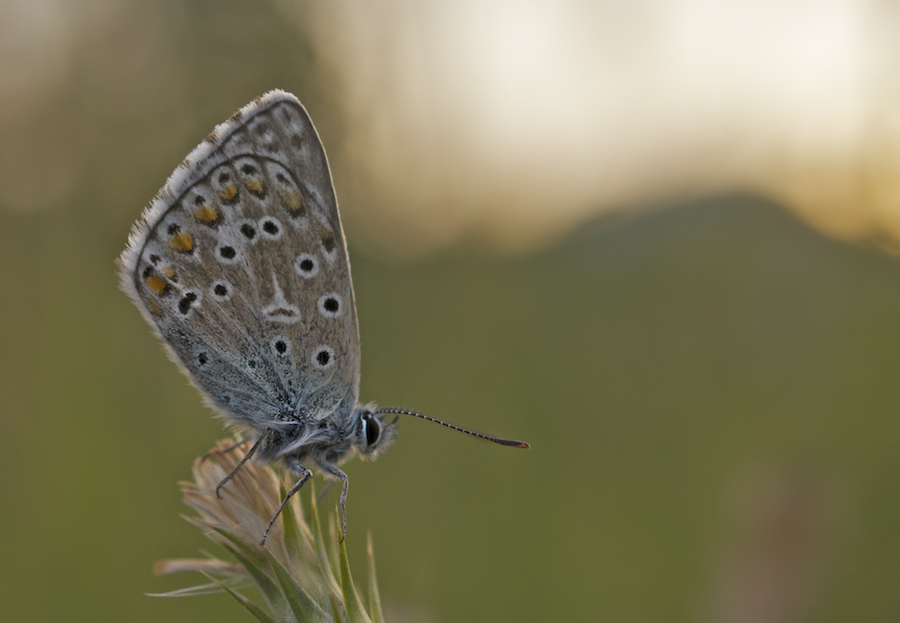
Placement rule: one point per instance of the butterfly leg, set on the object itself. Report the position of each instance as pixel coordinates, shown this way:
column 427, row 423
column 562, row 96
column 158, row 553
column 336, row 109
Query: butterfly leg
column 246, row 458
column 337, row 473
column 305, row 475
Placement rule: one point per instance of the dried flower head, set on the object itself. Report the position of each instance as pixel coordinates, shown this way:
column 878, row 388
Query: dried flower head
column 299, row 577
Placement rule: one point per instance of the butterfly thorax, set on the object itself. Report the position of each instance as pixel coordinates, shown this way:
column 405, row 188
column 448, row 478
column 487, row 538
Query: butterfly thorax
column 329, row 440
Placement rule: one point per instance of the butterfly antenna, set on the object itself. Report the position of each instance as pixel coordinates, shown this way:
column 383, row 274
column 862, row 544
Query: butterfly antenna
column 503, row 442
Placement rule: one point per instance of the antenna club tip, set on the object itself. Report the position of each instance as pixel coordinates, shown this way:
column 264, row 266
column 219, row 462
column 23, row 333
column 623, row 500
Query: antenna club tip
column 511, row 443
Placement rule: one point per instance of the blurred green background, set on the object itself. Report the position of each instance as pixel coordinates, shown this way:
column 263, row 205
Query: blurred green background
column 710, row 389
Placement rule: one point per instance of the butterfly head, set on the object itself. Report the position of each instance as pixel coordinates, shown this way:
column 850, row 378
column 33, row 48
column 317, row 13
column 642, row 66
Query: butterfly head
column 372, row 433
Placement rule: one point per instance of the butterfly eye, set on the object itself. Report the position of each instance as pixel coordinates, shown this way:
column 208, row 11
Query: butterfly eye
column 373, row 429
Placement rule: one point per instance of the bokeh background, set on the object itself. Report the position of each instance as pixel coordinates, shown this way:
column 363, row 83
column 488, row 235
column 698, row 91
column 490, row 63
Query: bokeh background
column 651, row 238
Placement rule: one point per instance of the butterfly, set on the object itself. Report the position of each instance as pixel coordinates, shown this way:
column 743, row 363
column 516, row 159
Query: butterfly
column 240, row 266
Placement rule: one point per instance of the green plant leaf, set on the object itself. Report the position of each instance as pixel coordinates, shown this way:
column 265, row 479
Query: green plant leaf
column 374, row 596
column 337, row 610
column 252, row 552
column 356, row 613
column 321, row 552
column 203, row 589
column 251, row 607
column 267, row 586
column 300, row 603
column 293, row 540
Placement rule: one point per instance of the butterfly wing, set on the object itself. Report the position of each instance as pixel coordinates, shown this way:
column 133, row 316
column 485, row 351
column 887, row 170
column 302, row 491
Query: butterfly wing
column 240, row 265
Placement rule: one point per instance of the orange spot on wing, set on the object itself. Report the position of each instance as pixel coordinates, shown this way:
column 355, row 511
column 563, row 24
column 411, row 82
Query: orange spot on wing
column 229, row 192
column 292, row 200
column 327, row 237
column 207, row 213
column 255, row 185
column 169, row 272
column 182, row 241
column 153, row 307
column 156, row 284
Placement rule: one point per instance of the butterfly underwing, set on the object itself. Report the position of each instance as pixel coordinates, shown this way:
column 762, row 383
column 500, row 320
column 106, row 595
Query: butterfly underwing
column 240, row 266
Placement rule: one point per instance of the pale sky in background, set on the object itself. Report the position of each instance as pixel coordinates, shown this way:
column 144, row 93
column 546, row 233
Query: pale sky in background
column 515, row 121
column 509, row 123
